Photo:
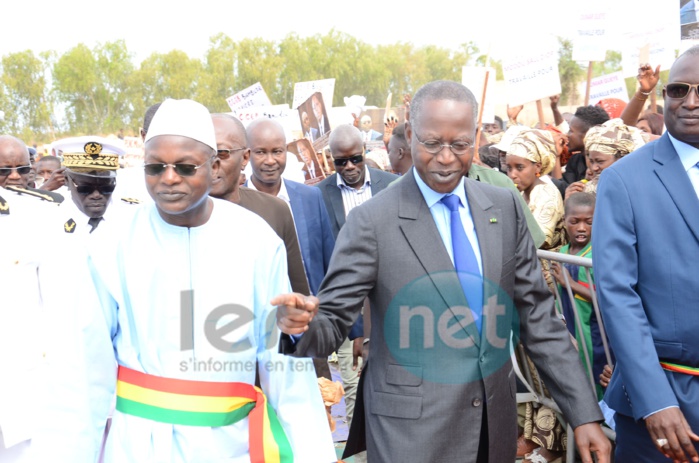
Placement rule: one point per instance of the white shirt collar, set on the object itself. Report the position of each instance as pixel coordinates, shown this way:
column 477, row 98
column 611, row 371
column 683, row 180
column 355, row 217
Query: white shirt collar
column 367, row 180
column 689, row 155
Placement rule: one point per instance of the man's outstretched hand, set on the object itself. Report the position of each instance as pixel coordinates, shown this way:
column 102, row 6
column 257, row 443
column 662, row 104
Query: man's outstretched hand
column 294, row 312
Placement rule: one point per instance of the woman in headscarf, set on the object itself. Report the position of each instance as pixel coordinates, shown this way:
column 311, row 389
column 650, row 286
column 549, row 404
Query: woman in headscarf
column 531, row 156
column 607, row 143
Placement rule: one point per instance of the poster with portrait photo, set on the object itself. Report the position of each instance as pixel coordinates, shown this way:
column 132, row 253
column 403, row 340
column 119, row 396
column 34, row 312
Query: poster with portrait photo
column 371, row 122
column 305, row 153
column 313, row 116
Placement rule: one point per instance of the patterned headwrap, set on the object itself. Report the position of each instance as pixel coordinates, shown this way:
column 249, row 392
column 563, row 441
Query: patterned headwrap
column 537, row 146
column 613, row 138
column 613, row 106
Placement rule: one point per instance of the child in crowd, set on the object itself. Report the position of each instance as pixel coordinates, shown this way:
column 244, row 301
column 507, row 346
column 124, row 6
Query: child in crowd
column 579, row 210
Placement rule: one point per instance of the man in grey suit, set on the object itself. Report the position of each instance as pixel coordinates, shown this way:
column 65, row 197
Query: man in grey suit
column 439, row 385
column 353, row 184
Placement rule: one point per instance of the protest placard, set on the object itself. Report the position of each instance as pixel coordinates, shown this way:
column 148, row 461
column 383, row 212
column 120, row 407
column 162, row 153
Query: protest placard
column 591, row 32
column 303, row 91
column 607, row 86
column 662, row 44
column 531, row 76
column 312, row 168
column 248, row 115
column 473, row 77
column 251, row 97
column 133, row 156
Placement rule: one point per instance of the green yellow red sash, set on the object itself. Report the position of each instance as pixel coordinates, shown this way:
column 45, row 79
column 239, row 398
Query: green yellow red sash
column 205, row 403
column 680, row 368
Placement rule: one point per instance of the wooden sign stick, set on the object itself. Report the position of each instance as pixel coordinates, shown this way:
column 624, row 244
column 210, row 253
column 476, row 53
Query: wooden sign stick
column 477, row 143
column 587, row 87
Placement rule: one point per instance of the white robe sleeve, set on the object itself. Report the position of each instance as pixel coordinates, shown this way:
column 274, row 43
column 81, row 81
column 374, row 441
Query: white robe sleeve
column 290, row 383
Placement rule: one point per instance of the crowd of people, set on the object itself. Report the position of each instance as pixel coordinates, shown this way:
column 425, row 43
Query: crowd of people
column 194, row 324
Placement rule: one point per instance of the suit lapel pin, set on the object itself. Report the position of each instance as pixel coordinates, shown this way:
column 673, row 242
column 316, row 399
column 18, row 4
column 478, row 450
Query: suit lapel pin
column 493, row 220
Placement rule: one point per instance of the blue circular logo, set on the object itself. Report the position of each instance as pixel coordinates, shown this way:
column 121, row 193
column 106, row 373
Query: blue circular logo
column 431, row 330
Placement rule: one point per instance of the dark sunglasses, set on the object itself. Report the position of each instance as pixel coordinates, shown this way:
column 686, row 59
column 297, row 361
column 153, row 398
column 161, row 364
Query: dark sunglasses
column 356, row 159
column 21, row 170
column 680, row 90
column 225, row 154
column 105, row 190
column 183, row 170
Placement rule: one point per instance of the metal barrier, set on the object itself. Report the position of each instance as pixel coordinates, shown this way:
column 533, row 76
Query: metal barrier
column 536, row 394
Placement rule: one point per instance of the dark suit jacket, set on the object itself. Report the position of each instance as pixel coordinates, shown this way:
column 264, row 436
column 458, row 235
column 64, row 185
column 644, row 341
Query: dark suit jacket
column 333, row 196
column 646, row 248
column 277, row 214
column 432, row 374
column 313, row 230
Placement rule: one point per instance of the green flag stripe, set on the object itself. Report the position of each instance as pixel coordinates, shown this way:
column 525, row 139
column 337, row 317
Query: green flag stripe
column 286, row 455
column 165, row 415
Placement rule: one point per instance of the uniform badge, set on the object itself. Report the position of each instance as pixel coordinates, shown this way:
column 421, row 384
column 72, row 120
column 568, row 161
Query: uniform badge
column 69, row 226
column 93, row 149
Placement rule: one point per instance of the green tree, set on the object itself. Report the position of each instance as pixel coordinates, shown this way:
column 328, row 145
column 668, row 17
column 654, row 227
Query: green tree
column 218, row 80
column 24, row 96
column 162, row 76
column 95, row 87
column 570, row 72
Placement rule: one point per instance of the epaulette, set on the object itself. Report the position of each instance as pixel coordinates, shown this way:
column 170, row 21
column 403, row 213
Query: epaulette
column 131, row 200
column 49, row 196
column 4, row 207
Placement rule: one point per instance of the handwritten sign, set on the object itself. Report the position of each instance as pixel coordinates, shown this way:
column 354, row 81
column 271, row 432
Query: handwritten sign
column 134, row 151
column 303, row 91
column 591, row 34
column 607, row 86
column 661, row 44
column 248, row 115
column 473, row 78
column 251, row 97
column 530, row 77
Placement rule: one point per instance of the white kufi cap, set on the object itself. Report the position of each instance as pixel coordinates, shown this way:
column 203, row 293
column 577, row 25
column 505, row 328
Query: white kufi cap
column 186, row 118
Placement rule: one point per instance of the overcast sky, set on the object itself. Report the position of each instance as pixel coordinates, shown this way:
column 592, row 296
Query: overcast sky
column 161, row 26
column 150, row 26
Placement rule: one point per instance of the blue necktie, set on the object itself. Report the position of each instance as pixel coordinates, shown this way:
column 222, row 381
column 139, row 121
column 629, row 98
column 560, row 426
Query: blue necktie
column 465, row 260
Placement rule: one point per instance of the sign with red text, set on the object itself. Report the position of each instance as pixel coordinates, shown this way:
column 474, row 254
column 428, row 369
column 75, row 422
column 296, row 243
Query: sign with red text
column 608, row 86
column 591, row 32
column 251, row 97
column 278, row 111
column 531, row 76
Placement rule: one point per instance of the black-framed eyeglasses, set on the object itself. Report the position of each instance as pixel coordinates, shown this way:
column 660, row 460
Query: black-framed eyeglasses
column 105, row 190
column 183, row 170
column 356, row 159
column 680, row 90
column 459, row 148
column 21, row 170
column 225, row 154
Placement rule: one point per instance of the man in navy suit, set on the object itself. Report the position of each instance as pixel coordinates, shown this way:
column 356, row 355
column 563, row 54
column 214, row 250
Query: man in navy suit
column 646, row 241
column 267, row 144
